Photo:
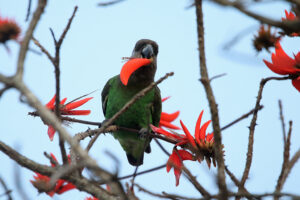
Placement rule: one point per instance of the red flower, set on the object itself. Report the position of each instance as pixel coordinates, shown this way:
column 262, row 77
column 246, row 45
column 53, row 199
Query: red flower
column 41, row 182
column 201, row 138
column 9, row 30
column 201, row 144
column 291, row 16
column 176, row 160
column 166, row 119
column 66, row 109
column 285, row 65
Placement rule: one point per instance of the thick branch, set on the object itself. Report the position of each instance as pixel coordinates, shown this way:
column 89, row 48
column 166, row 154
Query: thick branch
column 25, row 42
column 80, row 182
column 212, row 102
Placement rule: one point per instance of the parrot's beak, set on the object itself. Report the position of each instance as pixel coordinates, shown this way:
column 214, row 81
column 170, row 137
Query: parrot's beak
column 131, row 66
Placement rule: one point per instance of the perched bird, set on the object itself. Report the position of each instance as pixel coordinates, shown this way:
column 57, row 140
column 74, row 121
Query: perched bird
column 147, row 110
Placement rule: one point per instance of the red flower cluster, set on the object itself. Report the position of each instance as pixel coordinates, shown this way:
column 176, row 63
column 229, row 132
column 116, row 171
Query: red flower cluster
column 285, row 65
column 41, row 182
column 201, row 145
column 9, row 30
column 166, row 119
column 66, row 109
column 265, row 38
column 291, row 16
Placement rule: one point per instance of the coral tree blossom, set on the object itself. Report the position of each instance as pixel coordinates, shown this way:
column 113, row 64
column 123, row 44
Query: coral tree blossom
column 166, row 118
column 285, row 65
column 201, row 145
column 66, row 109
column 290, row 16
column 41, row 182
column 9, row 30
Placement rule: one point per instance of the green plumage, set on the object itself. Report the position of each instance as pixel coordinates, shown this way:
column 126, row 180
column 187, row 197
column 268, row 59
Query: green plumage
column 143, row 112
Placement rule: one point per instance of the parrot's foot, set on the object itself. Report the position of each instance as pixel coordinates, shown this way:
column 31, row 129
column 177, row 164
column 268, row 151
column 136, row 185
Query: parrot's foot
column 143, row 133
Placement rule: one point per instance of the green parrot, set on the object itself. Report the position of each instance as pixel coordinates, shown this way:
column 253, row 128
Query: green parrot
column 147, row 110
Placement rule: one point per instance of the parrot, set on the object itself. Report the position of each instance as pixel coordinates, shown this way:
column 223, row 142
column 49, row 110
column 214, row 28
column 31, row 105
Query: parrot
column 147, row 110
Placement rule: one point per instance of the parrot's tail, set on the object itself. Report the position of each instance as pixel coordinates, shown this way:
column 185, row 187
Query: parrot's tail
column 135, row 161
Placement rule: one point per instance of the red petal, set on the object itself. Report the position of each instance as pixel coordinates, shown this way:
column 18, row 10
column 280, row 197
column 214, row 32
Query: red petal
column 281, row 59
column 76, row 112
column 296, row 83
column 209, row 137
column 76, row 104
column 131, row 66
column 197, row 128
column 164, row 99
column 59, row 185
column 51, row 193
column 54, row 158
column 188, row 135
column 274, row 68
column 169, row 117
column 168, row 125
column 185, row 155
column 164, row 132
column 203, row 130
column 65, row 188
column 177, row 173
column 51, row 132
column 62, row 102
column 175, row 161
column 182, row 143
column 50, row 104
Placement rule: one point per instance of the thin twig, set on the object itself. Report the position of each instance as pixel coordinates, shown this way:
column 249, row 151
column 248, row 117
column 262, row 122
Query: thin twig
column 105, row 4
column 286, row 156
column 43, row 49
column 19, row 182
column 7, row 191
column 288, row 26
column 57, row 81
column 28, row 10
column 241, row 118
column 217, row 76
column 196, row 184
column 252, row 128
column 236, row 181
column 149, row 192
column 212, row 102
column 162, row 147
column 282, row 121
column 126, row 106
column 4, row 89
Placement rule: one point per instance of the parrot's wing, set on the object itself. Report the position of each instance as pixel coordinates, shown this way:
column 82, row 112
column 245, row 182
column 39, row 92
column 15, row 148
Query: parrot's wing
column 104, row 94
column 156, row 108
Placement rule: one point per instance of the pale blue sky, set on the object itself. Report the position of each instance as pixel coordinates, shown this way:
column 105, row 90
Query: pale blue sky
column 91, row 54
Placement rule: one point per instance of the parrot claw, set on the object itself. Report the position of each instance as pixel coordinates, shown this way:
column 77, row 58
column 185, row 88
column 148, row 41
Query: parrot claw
column 143, row 132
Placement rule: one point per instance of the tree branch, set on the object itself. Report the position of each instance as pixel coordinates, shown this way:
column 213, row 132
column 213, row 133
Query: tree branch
column 212, row 102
